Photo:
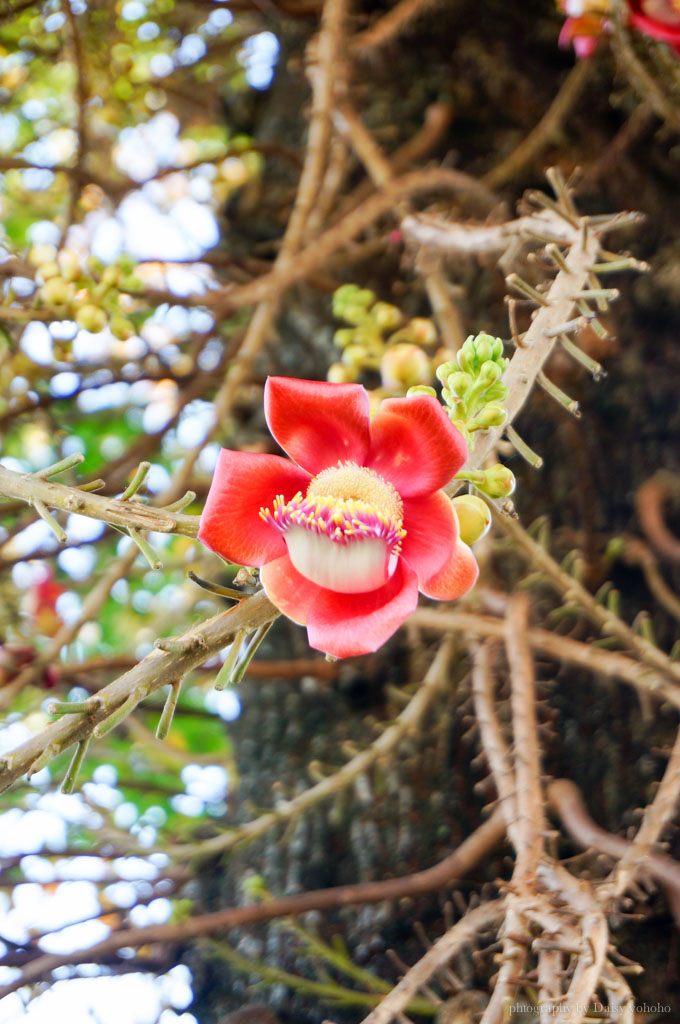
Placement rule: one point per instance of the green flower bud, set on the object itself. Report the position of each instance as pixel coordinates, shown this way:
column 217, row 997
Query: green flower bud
column 126, row 263
column 404, row 365
column 353, row 313
column 498, row 392
column 499, row 483
column 367, row 335
column 473, row 515
column 386, row 317
column 445, row 369
column 111, row 276
column 338, row 373
column 49, row 269
column 121, row 327
column 95, row 265
column 69, row 265
column 459, row 383
column 355, row 356
column 489, row 373
column 364, row 297
column 483, row 348
column 491, row 415
column 91, row 318
column 38, row 255
column 131, row 283
column 421, row 389
column 422, row 330
column 466, row 356
column 341, row 297
column 58, row 292
column 344, row 336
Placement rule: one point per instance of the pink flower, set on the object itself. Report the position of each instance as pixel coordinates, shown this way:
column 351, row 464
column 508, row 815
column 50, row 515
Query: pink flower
column 348, row 533
column 582, row 32
column 657, row 18
column 587, row 20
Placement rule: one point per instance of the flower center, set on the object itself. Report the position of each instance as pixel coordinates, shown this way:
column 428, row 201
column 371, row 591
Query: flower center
column 345, row 533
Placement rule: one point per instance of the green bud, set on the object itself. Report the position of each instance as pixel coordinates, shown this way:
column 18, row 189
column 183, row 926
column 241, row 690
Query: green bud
column 498, row 392
column 344, row 336
column 49, row 269
column 58, row 292
column 95, row 265
column 422, row 331
column 489, row 373
column 459, row 383
column 484, row 348
column 445, row 369
column 69, row 265
column 491, row 415
column 341, row 296
column 111, row 276
column 130, row 283
column 421, row 389
column 364, row 297
column 367, row 335
column 353, row 313
column 338, row 373
column 355, row 356
column 91, row 318
column 386, row 317
column 466, row 356
column 126, row 263
column 404, row 365
column 121, row 327
column 473, row 515
column 499, row 483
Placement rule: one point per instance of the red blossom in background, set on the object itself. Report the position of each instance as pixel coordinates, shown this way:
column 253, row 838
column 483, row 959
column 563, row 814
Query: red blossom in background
column 42, row 605
column 587, row 20
column 348, row 532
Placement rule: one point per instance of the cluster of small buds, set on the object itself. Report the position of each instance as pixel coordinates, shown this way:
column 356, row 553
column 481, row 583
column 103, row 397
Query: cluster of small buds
column 473, row 392
column 472, row 387
column 380, row 339
column 94, row 296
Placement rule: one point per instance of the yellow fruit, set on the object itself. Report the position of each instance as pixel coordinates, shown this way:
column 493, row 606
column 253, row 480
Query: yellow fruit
column 473, row 515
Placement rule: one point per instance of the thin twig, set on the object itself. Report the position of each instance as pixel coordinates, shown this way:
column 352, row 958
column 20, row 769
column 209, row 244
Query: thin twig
column 608, row 663
column 543, row 133
column 485, row 916
column 456, row 865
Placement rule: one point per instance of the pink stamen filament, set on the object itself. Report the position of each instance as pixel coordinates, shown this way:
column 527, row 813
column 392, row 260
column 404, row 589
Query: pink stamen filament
column 341, row 520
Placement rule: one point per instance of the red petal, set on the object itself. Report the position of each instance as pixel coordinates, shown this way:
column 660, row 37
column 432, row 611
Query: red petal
column 243, row 483
column 318, row 424
column 431, row 533
column 657, row 29
column 458, row 576
column 292, row 593
column 347, row 624
column 415, row 445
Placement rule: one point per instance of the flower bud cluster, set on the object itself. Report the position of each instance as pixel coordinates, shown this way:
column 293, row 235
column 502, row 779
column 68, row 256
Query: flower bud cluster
column 94, row 296
column 380, row 339
column 472, row 387
column 473, row 392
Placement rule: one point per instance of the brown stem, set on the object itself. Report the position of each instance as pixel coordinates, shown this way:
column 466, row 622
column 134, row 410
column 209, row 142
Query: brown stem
column 456, row 865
